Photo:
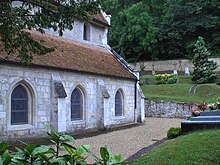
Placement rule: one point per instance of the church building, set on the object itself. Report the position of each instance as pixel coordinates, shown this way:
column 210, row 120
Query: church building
column 83, row 85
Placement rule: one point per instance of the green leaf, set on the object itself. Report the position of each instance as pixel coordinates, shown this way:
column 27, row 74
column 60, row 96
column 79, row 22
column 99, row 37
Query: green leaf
column 82, row 149
column 92, row 154
column 104, row 154
column 3, row 147
column 19, row 158
column 60, row 160
column 6, row 157
column 50, row 140
column 1, row 161
column 54, row 134
column 69, row 145
column 41, row 150
column 118, row 158
column 68, row 138
column 26, row 144
column 30, row 148
column 69, row 149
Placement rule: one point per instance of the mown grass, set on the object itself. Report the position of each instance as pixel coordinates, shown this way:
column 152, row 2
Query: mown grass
column 180, row 91
column 201, row 147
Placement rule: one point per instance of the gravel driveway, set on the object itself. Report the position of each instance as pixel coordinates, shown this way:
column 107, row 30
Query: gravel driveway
column 130, row 141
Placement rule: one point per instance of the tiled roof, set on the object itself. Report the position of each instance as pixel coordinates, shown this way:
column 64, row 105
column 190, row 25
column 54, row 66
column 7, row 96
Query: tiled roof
column 77, row 56
column 100, row 19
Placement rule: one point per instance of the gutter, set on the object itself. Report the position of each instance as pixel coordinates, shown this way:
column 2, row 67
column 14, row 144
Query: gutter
column 100, row 22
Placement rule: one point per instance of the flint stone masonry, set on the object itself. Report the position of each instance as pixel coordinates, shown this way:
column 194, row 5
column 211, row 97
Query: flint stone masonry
column 45, row 105
column 167, row 109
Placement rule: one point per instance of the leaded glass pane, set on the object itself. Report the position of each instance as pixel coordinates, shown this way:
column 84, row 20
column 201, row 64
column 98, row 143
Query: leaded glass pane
column 19, row 106
column 76, row 105
column 118, row 104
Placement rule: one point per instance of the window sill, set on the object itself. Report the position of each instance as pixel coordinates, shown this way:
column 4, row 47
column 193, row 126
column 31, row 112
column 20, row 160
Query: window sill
column 119, row 117
column 20, row 127
column 75, row 122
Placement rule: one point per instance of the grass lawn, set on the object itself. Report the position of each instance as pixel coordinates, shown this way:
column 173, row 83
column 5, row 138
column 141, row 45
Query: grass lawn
column 201, row 147
column 180, row 91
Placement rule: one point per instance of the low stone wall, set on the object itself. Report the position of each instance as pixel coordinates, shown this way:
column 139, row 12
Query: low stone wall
column 167, row 109
column 168, row 65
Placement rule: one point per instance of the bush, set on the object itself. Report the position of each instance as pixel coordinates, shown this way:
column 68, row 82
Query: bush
column 173, row 132
column 46, row 154
column 166, row 78
column 216, row 105
column 218, row 99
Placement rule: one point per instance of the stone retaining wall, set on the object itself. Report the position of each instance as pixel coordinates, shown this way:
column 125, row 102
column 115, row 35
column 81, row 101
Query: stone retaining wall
column 168, row 65
column 167, row 109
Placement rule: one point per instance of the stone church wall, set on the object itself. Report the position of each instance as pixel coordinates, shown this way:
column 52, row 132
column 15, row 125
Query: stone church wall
column 97, row 34
column 45, row 105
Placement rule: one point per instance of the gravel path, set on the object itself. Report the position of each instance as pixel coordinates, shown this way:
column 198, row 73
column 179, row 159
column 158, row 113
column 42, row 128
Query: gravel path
column 130, row 141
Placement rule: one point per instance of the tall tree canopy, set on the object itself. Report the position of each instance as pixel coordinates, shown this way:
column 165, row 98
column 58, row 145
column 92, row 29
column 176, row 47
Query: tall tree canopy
column 185, row 20
column 16, row 20
column 163, row 29
column 133, row 33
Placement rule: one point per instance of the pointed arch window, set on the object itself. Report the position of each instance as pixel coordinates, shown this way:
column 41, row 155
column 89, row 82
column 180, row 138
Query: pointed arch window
column 19, row 106
column 118, row 103
column 77, row 105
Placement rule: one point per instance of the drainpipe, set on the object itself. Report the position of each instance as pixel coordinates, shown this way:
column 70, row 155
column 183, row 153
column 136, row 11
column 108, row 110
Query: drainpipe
column 135, row 101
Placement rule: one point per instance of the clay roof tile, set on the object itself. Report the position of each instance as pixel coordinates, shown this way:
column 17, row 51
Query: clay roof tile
column 77, row 56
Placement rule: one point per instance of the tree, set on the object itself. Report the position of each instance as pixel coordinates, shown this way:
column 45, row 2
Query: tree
column 133, row 33
column 169, row 28
column 184, row 21
column 15, row 21
column 203, row 68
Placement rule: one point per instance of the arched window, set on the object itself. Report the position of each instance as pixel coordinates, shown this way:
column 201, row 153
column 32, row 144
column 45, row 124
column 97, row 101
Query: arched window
column 86, row 32
column 19, row 106
column 77, row 105
column 118, row 103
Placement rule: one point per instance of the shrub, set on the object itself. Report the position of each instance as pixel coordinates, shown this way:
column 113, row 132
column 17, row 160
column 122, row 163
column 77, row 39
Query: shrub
column 43, row 154
column 166, row 78
column 218, row 99
column 173, row 132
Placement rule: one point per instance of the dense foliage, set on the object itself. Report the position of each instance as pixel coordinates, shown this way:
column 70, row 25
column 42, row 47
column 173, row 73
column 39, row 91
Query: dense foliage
column 174, row 132
column 162, row 29
column 203, row 68
column 58, row 15
column 166, row 78
column 65, row 152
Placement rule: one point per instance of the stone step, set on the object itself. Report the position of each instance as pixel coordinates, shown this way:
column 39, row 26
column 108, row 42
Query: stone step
column 211, row 113
column 201, row 122
column 205, row 118
column 188, row 126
